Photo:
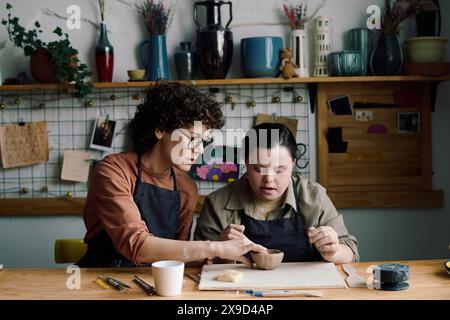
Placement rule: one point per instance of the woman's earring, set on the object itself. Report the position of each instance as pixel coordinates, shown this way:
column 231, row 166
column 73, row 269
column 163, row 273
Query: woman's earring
column 158, row 134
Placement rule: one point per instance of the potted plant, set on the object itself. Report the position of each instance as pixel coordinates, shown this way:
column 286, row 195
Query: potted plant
column 55, row 61
column 429, row 23
column 157, row 17
column 427, row 50
column 387, row 58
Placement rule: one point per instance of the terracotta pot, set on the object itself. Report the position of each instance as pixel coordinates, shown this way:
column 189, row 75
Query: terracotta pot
column 42, row 68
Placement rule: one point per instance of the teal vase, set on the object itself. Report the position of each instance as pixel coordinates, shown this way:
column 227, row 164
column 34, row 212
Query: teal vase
column 155, row 58
column 364, row 41
column 186, row 62
column 387, row 58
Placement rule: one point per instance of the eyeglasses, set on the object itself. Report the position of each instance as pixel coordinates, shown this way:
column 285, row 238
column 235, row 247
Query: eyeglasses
column 195, row 142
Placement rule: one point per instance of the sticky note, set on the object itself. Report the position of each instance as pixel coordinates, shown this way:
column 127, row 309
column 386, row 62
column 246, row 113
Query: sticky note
column 76, row 166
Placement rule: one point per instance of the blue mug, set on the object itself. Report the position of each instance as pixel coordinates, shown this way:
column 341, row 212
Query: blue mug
column 260, row 56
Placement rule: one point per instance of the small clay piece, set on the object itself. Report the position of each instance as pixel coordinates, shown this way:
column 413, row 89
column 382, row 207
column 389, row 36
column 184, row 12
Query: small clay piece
column 230, row 276
column 269, row 260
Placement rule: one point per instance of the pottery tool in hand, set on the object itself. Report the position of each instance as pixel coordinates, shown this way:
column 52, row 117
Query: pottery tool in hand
column 353, row 280
column 144, row 285
column 286, row 293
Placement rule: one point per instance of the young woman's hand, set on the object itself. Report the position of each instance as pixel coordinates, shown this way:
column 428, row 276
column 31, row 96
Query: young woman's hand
column 326, row 240
column 232, row 231
column 236, row 248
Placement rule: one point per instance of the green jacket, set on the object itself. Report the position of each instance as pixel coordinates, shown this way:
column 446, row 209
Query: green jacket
column 223, row 207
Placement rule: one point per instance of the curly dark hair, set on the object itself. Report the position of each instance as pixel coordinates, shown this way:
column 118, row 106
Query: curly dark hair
column 169, row 106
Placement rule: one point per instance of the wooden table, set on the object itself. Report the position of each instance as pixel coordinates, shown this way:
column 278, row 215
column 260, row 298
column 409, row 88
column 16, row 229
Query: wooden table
column 428, row 280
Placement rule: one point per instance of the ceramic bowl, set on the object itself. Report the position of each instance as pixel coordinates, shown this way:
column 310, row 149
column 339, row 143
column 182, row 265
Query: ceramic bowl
column 346, row 63
column 269, row 260
column 426, row 49
column 137, row 74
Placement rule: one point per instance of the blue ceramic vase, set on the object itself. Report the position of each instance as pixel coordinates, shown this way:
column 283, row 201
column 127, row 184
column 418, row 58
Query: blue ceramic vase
column 154, row 58
column 364, row 41
column 387, row 58
column 260, row 56
column 186, row 62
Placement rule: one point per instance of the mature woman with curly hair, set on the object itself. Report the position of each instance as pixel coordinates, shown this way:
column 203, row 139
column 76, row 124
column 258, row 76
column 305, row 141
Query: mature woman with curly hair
column 140, row 204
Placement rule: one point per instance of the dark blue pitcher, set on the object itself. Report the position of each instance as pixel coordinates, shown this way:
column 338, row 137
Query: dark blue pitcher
column 154, row 58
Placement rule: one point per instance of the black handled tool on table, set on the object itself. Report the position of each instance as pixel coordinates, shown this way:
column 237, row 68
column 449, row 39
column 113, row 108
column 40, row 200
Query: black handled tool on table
column 148, row 288
column 115, row 283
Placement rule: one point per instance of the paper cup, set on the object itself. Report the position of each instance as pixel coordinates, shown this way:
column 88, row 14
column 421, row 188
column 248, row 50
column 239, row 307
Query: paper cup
column 168, row 277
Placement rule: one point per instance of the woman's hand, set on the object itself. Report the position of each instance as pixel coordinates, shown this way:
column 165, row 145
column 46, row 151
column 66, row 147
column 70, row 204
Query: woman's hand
column 236, row 248
column 232, row 231
column 326, row 240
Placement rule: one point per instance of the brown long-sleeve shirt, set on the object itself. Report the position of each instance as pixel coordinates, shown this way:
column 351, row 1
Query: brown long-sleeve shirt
column 110, row 205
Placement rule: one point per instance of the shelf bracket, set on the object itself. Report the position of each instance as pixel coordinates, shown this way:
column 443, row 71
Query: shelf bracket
column 433, row 93
column 312, row 92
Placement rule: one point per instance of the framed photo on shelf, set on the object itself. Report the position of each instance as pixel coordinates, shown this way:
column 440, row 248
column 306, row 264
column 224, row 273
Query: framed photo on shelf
column 340, row 106
column 408, row 122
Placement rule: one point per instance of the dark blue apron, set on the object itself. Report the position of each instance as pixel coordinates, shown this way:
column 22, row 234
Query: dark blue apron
column 286, row 234
column 159, row 208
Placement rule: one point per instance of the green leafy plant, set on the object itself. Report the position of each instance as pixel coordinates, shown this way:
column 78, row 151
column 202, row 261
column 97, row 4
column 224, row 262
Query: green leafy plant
column 64, row 56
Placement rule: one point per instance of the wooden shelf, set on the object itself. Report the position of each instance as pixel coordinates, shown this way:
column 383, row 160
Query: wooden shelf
column 388, row 170
column 53, row 206
column 390, row 199
column 42, row 206
column 75, row 206
column 243, row 81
